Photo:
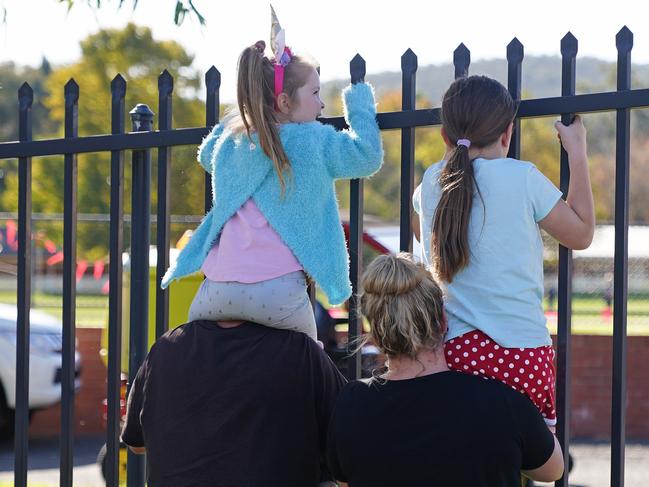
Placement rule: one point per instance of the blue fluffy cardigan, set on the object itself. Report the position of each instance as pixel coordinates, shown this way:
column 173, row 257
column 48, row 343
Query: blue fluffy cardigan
column 306, row 217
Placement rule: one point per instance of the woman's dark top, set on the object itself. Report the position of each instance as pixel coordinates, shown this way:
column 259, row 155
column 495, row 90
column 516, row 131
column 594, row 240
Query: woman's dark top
column 445, row 429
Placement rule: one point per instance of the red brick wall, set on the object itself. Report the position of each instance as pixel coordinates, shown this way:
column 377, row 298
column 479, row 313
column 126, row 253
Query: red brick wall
column 591, row 389
column 592, row 364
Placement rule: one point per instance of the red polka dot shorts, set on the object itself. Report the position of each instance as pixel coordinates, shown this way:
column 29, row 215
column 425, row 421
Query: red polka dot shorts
column 527, row 370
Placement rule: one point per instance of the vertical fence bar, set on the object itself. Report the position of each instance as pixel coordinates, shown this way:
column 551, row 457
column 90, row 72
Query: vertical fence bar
column 24, row 288
column 118, row 91
column 357, row 71
column 568, row 56
column 408, row 102
column 461, row 61
column 213, row 83
column 142, row 118
column 71, row 92
column 165, row 90
column 624, row 43
column 514, row 72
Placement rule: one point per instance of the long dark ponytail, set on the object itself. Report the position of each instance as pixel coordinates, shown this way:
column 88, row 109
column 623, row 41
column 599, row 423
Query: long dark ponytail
column 479, row 109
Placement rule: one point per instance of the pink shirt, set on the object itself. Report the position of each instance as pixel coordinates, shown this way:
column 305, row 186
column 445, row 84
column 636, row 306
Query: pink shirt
column 249, row 250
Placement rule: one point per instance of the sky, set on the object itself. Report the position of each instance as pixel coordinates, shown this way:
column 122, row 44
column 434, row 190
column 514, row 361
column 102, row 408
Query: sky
column 332, row 31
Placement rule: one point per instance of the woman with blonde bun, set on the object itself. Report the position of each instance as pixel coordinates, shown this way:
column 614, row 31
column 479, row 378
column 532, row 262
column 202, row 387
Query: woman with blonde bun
column 429, row 425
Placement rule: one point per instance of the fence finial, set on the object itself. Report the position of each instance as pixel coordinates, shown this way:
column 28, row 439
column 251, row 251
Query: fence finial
column 357, row 69
column 71, row 92
column 141, row 117
column 569, row 45
column 212, row 79
column 408, row 62
column 461, row 61
column 624, row 39
column 25, row 96
column 165, row 83
column 515, row 51
column 118, row 86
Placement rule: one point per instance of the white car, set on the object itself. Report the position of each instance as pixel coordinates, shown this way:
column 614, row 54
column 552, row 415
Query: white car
column 45, row 361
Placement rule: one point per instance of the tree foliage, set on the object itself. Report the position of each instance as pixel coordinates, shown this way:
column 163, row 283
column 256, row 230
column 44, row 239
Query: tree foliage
column 182, row 8
column 134, row 53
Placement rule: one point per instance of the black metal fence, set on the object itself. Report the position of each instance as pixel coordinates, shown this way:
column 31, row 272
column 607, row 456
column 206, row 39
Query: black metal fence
column 143, row 138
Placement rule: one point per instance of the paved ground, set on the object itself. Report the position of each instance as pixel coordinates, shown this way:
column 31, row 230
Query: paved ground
column 44, row 462
column 592, row 464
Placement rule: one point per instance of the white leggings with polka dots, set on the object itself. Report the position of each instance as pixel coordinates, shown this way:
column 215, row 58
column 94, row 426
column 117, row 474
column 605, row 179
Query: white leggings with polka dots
column 281, row 303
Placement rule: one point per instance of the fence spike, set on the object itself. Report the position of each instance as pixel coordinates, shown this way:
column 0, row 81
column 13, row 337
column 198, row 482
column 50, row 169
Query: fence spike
column 212, row 79
column 165, row 83
column 515, row 51
column 25, row 96
column 118, row 87
column 569, row 45
column 357, row 69
column 461, row 61
column 624, row 40
column 71, row 92
column 409, row 62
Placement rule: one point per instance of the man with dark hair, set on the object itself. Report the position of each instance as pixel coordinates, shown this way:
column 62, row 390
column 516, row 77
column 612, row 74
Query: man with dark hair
column 237, row 405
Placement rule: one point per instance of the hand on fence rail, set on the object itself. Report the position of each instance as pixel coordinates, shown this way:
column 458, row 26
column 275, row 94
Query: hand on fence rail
column 572, row 222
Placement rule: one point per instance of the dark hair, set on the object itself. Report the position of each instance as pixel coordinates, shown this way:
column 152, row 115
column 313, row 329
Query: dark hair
column 480, row 109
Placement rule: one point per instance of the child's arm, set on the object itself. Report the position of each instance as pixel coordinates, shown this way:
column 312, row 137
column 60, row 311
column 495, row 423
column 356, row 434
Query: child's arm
column 356, row 152
column 204, row 154
column 572, row 222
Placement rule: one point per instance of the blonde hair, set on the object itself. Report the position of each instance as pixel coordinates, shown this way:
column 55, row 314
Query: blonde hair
column 256, row 101
column 403, row 304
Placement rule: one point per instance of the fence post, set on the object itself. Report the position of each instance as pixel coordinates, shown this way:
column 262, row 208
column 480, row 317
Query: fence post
column 564, row 312
column 624, row 43
column 24, row 289
column 514, row 69
column 212, row 83
column 69, row 286
column 118, row 92
column 357, row 71
column 141, row 118
column 408, row 103
column 165, row 89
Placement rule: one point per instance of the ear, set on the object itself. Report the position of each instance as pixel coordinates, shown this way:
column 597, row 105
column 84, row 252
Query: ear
column 284, row 103
column 445, row 138
column 506, row 137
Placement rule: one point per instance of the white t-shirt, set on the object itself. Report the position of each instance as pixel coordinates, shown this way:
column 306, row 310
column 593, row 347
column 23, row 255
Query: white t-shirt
column 501, row 290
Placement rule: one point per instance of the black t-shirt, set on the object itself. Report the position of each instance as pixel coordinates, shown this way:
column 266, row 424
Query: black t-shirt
column 232, row 407
column 445, row 429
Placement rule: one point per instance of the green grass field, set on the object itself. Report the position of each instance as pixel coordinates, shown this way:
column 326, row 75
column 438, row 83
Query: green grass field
column 588, row 313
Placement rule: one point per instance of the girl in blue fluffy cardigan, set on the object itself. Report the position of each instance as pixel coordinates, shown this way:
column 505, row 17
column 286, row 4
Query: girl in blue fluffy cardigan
column 275, row 216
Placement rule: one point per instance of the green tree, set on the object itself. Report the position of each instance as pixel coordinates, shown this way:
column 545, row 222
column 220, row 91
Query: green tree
column 134, row 53
column 181, row 9
column 382, row 191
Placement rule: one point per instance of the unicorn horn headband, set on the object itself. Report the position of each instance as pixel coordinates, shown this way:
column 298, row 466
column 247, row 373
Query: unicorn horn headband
column 281, row 52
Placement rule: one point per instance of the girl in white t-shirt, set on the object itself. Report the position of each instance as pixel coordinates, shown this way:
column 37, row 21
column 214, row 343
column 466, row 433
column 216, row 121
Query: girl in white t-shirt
column 480, row 214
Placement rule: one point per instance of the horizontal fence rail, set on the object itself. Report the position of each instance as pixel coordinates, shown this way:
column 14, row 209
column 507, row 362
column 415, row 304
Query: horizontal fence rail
column 143, row 139
column 423, row 117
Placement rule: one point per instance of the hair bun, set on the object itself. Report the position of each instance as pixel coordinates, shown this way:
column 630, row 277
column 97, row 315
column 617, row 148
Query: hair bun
column 397, row 275
column 260, row 46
